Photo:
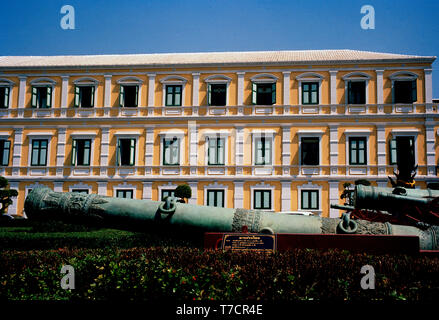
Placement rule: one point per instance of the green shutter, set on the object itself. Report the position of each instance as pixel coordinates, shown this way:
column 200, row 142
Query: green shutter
column 6, row 102
column 92, row 102
column 34, row 97
column 137, row 96
column 209, row 94
column 393, row 155
column 77, row 96
column 254, row 93
column 273, row 93
column 132, row 151
column 74, row 150
column 121, row 96
column 49, row 97
column 118, row 153
column 414, row 91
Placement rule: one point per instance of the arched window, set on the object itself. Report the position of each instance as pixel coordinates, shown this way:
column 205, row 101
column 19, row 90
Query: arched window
column 404, row 87
column 264, row 89
column 356, row 88
column 85, row 92
column 42, row 92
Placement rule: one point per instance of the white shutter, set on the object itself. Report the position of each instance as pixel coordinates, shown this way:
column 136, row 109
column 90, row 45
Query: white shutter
column 49, row 97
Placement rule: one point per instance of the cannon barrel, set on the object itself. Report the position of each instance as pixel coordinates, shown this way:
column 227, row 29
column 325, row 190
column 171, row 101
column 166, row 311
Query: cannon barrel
column 44, row 204
column 391, row 199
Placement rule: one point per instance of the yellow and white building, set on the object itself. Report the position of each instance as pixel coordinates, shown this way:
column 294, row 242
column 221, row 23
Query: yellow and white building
column 279, row 130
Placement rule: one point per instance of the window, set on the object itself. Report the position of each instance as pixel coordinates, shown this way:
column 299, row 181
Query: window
column 84, row 96
column 264, row 93
column 4, row 97
column 81, row 152
column 126, row 152
column 310, row 151
column 217, row 94
column 215, row 198
column 356, row 92
column 124, row 193
column 402, row 149
column 263, row 149
column 84, row 191
column 167, row 193
column 171, row 151
column 42, row 97
column 129, row 95
column 357, row 150
column 309, row 200
column 310, row 93
column 216, row 150
column 173, row 95
column 39, row 152
column 5, row 149
column 405, row 91
column 262, row 199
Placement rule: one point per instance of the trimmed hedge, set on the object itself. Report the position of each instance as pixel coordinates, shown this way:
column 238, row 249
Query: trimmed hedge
column 141, row 274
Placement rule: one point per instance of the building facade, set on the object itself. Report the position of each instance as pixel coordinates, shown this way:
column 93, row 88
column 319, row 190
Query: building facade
column 279, row 131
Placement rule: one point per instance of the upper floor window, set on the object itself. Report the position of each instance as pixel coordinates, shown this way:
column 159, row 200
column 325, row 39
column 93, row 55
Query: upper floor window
column 129, row 96
column 216, row 150
column 39, row 152
column 357, row 150
column 171, row 151
column 41, row 96
column 84, row 96
column 217, row 94
column 264, row 89
column 81, row 152
column 4, row 97
column 130, row 91
column 5, row 149
column 263, row 150
column 126, row 151
column 310, row 153
column 310, row 93
column 404, row 87
column 356, row 92
column 173, row 95
column 402, row 149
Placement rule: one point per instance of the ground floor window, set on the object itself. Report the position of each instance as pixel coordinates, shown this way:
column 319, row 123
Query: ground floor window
column 262, row 199
column 215, row 198
column 124, row 193
column 84, row 191
column 310, row 200
column 167, row 193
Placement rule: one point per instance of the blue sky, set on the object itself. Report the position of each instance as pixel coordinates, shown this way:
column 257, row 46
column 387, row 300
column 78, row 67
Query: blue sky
column 150, row 26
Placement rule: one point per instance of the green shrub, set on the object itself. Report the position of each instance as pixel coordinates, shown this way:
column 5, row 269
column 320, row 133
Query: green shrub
column 141, row 274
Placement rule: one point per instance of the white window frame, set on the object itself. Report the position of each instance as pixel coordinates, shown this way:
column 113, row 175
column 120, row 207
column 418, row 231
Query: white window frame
column 218, row 79
column 174, row 80
column 356, row 77
column 180, row 135
column 262, row 186
column 125, row 186
column 309, row 186
column 132, row 81
column 402, row 76
column 216, row 186
column 87, row 82
column 310, row 77
column 81, row 185
column 406, row 133
column 128, row 135
column 6, row 83
column 44, row 82
column 39, row 136
column 216, row 134
column 84, row 135
column 262, row 78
